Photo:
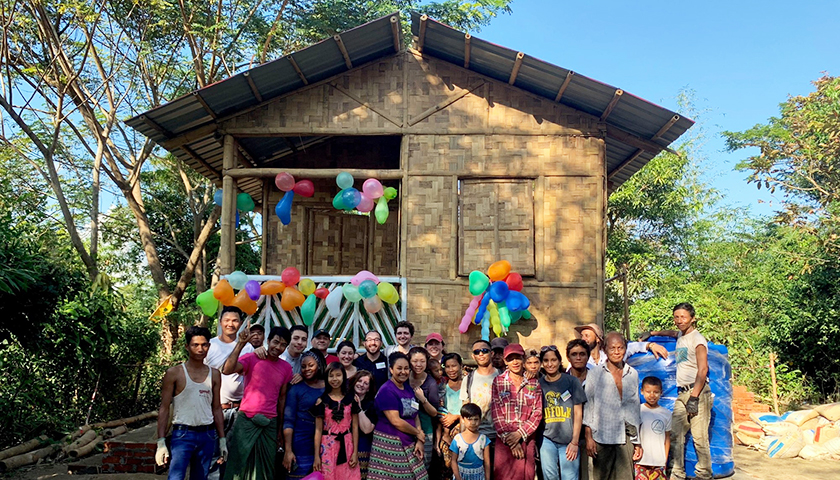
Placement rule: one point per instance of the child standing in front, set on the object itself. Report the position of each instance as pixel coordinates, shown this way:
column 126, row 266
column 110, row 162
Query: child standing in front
column 655, row 433
column 471, row 447
column 336, row 429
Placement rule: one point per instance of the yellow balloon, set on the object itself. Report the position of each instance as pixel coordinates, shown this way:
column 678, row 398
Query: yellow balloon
column 387, row 293
column 306, row 287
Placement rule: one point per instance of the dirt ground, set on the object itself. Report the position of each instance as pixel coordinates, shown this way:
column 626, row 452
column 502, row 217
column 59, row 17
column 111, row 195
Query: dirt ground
column 749, row 465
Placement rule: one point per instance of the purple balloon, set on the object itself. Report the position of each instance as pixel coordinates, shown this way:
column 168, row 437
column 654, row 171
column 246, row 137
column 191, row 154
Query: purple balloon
column 253, row 289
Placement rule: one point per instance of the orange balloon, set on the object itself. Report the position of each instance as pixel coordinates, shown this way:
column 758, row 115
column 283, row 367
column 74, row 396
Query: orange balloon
column 244, row 303
column 272, row 287
column 499, row 270
column 291, row 298
column 223, row 292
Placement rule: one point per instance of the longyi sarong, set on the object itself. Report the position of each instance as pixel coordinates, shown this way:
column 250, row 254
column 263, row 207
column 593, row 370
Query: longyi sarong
column 390, row 460
column 252, row 448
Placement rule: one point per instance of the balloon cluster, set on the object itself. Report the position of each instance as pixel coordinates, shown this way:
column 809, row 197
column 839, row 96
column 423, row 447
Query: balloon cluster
column 363, row 286
column 286, row 183
column 497, row 300
column 349, row 198
column 244, row 202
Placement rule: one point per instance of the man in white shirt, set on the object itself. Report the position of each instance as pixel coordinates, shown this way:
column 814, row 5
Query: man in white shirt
column 592, row 335
column 300, row 335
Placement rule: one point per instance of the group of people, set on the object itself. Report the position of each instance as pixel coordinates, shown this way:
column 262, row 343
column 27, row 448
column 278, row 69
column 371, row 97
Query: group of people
column 412, row 412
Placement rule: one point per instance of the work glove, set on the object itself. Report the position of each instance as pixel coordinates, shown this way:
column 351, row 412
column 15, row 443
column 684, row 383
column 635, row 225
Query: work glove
column 691, row 405
column 162, row 453
column 223, row 450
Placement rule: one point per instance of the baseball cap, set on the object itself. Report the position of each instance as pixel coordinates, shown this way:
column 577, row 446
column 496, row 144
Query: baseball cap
column 434, row 336
column 591, row 326
column 258, row 327
column 514, row 348
column 499, row 343
column 321, row 331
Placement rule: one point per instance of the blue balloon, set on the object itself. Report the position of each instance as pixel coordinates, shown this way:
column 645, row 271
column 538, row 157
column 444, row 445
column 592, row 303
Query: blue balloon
column 284, row 208
column 485, row 327
column 237, row 219
column 350, row 197
column 482, row 308
column 499, row 291
column 218, row 196
column 516, row 301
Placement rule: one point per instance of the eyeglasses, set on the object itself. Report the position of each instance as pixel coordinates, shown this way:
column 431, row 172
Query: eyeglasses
column 550, row 347
column 481, row 351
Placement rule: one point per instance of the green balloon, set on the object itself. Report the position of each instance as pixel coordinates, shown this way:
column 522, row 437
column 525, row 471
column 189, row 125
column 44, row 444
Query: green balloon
column 478, row 282
column 208, row 303
column 338, row 203
column 504, row 315
column 381, row 211
column 307, row 310
column 514, row 316
column 390, row 193
column 351, row 292
column 526, row 314
column 244, row 202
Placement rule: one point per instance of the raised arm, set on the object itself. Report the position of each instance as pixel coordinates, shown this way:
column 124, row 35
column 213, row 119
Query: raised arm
column 232, row 364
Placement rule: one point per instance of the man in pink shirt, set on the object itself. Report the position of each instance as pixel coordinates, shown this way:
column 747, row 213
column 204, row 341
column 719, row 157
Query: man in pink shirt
column 256, row 432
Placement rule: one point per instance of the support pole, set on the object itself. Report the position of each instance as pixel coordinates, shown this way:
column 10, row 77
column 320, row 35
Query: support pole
column 773, row 381
column 228, row 242
column 626, row 322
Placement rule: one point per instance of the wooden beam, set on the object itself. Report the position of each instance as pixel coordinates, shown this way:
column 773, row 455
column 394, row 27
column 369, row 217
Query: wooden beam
column 467, row 49
column 253, row 86
column 189, row 151
column 365, row 104
column 616, row 97
column 564, row 86
column 443, row 104
column 624, row 164
column 298, row 70
column 636, row 141
column 234, row 173
column 204, row 104
column 666, row 127
column 343, row 50
column 395, row 32
column 228, row 242
column 421, row 38
column 516, row 66
column 190, row 136
column 155, row 126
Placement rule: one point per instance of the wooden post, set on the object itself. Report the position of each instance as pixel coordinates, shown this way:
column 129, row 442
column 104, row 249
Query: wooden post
column 626, row 322
column 773, row 381
column 228, row 242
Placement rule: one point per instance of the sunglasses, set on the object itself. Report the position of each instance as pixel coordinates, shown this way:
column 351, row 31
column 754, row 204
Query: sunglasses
column 550, row 347
column 481, row 351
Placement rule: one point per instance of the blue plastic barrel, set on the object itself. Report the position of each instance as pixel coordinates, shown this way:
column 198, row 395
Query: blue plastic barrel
column 720, row 374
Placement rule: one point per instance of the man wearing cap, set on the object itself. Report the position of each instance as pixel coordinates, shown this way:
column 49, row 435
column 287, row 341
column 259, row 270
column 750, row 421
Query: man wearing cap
column 373, row 360
column 517, row 412
column 434, row 345
column 498, row 346
column 320, row 342
column 257, row 336
column 591, row 334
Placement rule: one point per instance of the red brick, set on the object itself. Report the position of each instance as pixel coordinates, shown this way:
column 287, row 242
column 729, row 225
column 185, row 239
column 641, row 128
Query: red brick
column 145, row 469
column 134, row 461
column 125, row 468
column 107, row 468
column 143, row 453
column 112, row 459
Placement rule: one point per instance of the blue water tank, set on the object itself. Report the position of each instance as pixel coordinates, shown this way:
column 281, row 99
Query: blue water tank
column 720, row 374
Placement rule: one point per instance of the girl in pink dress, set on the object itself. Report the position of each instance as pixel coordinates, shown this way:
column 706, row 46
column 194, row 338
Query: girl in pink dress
column 336, row 429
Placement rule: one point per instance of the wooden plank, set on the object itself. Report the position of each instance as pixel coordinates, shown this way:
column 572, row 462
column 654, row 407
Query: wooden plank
column 189, row 151
column 313, row 173
column 253, row 86
column 564, row 86
column 267, row 211
column 422, row 36
column 343, row 51
column 405, row 204
column 624, row 164
column 539, row 221
column 442, row 104
column 453, row 240
column 155, row 126
column 467, row 49
column 636, row 141
column 365, row 104
column 516, row 66
column 666, row 127
column 274, row 131
column 197, row 95
column 395, row 32
column 190, row 136
column 228, row 209
column 616, row 97
column 298, row 70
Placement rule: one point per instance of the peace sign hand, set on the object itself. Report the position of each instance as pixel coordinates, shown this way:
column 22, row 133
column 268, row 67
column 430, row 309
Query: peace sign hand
column 245, row 334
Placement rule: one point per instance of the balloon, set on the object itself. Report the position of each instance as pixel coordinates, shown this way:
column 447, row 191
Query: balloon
column 478, row 282
column 208, row 303
column 351, row 292
column 344, row 180
column 272, row 287
column 304, row 188
column 499, row 291
column 334, row 302
column 218, row 197
column 485, row 328
column 322, row 292
column 362, row 276
column 307, row 287
column 365, row 204
column 244, row 303
column 526, row 314
column 284, row 208
column 284, row 182
column 390, row 193
column 291, row 298
column 499, row 270
column 314, row 476
column 367, row 289
column 493, row 311
column 514, row 316
column 237, row 280
column 290, row 276
column 514, row 281
column 504, row 315
column 387, row 293
column 373, row 304
column 253, row 289
column 469, row 314
column 381, row 210
column 482, row 307
column 516, row 301
column 350, row 197
column 223, row 292
column 236, row 223
column 307, row 311
column 372, row 188
column 244, row 202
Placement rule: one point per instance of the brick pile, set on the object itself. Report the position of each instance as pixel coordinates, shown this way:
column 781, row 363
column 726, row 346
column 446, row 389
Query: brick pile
column 743, row 403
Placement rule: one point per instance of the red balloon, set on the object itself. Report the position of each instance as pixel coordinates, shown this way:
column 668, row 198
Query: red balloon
column 290, row 276
column 284, row 181
column 322, row 292
column 304, row 188
column 514, row 281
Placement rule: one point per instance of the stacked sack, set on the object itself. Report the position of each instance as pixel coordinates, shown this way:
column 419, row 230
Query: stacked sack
column 810, row 434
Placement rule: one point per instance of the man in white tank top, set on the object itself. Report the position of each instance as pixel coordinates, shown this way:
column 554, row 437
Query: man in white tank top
column 193, row 390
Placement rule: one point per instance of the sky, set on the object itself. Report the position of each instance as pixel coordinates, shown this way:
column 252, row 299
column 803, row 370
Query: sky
column 741, row 58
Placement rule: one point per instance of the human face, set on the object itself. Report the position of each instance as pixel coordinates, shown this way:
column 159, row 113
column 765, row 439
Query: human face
column 335, row 379
column 578, row 358
column 551, row 362
column 532, row 364
column 484, row 355
column 499, row 357
column 515, row 363
column 683, row 320
column 298, row 344
column 453, row 369
column 418, row 363
column 321, row 342
column 308, row 368
column 346, row 356
column 472, row 423
column 434, row 348
column 257, row 338
column 651, row 394
column 435, row 369
column 373, row 343
column 616, row 349
column 198, row 347
column 590, row 338
column 403, row 336
column 362, row 386
column 230, row 323
column 276, row 346
column 400, row 370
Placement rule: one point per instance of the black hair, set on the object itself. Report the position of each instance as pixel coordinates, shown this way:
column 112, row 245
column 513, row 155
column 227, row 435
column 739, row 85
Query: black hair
column 257, row 327
column 330, row 368
column 656, row 382
column 556, row 351
column 230, row 308
column 282, row 332
column 404, row 324
column 450, row 356
column 484, row 342
column 685, row 306
column 373, row 331
column 392, row 359
column 470, row 410
column 577, row 343
column 299, row 328
column 419, row 350
column 351, row 384
column 345, row 343
column 196, row 332
column 319, row 361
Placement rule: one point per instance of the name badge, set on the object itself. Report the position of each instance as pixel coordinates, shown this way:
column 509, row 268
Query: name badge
column 380, row 365
column 415, row 405
column 565, row 395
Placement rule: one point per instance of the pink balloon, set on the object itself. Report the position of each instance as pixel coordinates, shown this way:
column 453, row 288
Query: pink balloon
column 290, row 276
column 469, row 314
column 365, row 204
column 284, row 181
column 304, row 188
column 362, row 276
column 372, row 188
